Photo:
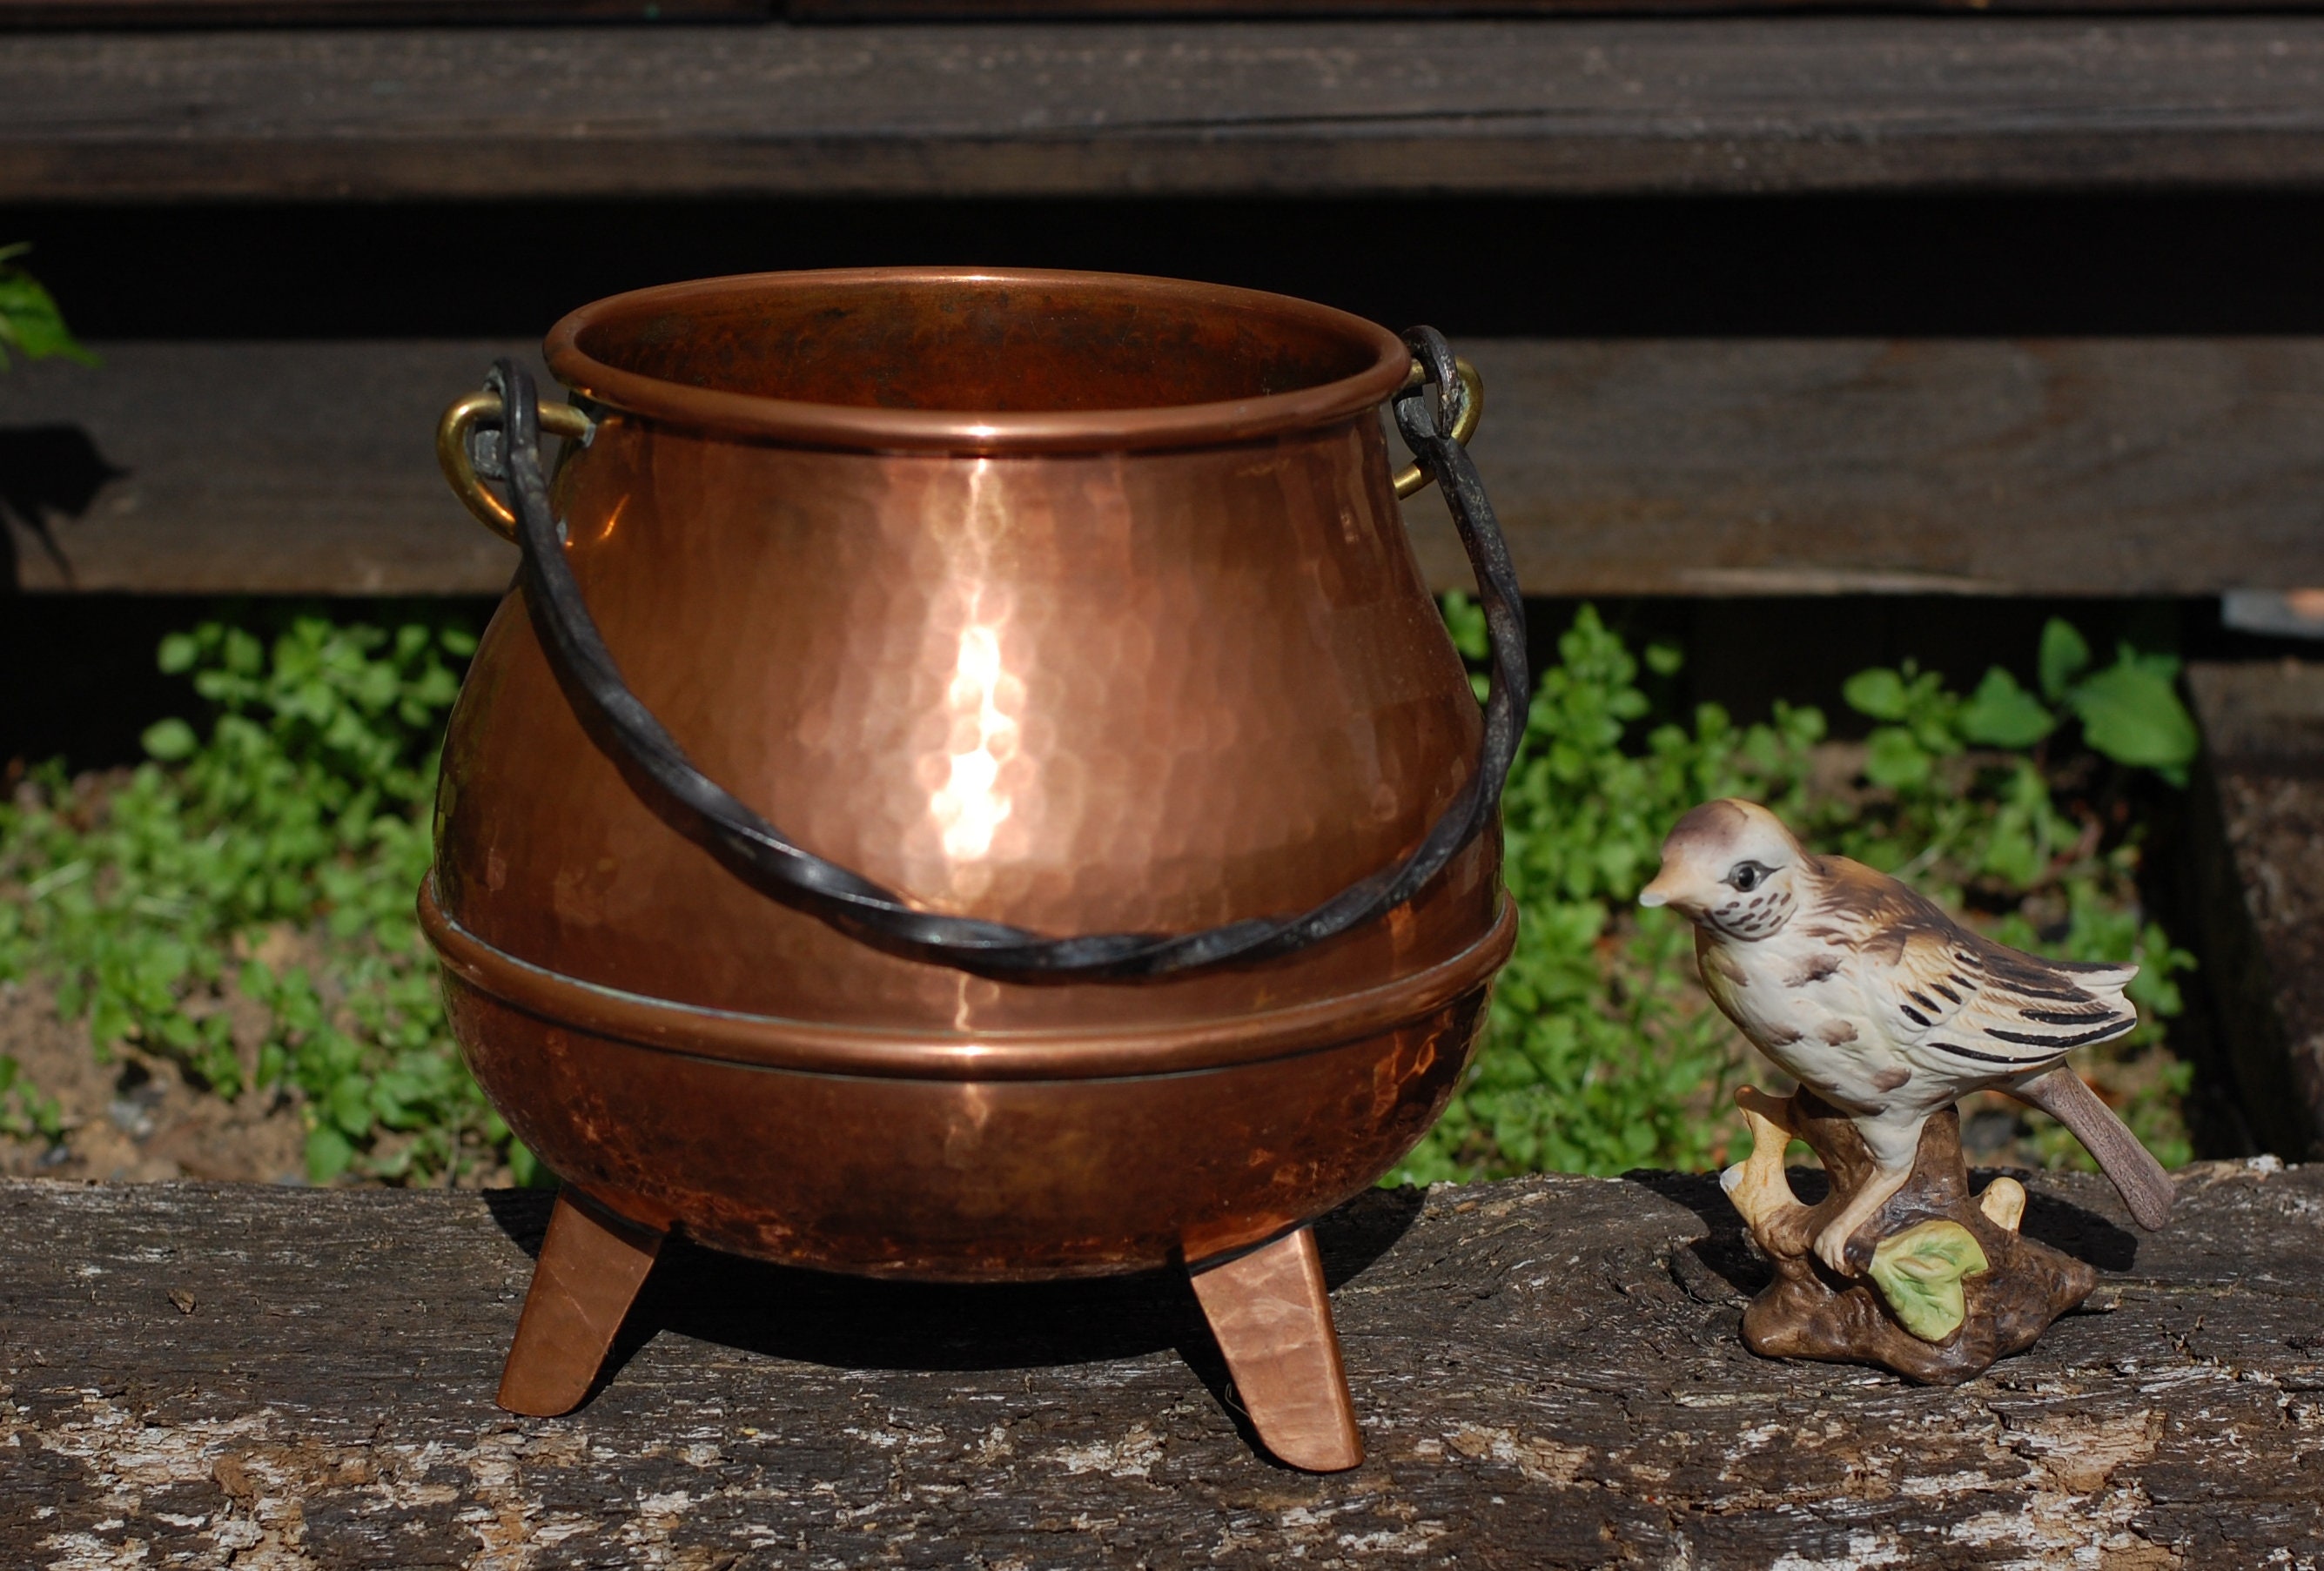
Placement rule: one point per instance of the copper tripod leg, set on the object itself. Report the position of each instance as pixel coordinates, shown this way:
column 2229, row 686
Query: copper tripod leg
column 591, row 1266
column 1273, row 1320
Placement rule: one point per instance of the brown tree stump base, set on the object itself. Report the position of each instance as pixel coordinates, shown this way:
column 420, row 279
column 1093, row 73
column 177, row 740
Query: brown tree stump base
column 1808, row 1311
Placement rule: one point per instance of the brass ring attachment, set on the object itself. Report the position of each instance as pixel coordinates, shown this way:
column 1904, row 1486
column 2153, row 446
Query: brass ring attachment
column 1412, row 477
column 559, row 419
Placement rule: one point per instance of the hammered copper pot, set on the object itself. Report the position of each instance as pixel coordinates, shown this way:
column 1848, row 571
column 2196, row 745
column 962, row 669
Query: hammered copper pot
column 1075, row 602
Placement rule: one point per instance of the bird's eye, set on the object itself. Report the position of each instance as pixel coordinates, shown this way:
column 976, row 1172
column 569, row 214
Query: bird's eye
column 1746, row 876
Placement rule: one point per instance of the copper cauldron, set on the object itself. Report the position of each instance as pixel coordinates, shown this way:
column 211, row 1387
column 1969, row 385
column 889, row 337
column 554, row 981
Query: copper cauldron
column 1136, row 897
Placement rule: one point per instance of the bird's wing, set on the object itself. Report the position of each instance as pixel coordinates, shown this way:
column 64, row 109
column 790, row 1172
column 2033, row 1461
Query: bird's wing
column 2031, row 1011
column 1989, row 1013
column 1976, row 1006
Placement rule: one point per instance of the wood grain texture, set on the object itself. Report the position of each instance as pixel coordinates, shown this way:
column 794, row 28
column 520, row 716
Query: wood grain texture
column 256, row 468
column 1511, row 107
column 1548, row 1372
column 2153, row 466
column 80, row 13
column 2069, row 466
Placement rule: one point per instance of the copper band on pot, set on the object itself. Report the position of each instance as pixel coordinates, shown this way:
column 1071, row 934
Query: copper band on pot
column 814, row 1047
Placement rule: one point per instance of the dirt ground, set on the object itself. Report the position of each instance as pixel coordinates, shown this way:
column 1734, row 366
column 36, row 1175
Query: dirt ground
column 134, row 1119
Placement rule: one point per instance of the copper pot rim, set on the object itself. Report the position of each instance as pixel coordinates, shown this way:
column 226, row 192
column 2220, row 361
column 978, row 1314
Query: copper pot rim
column 1065, row 1053
column 888, row 430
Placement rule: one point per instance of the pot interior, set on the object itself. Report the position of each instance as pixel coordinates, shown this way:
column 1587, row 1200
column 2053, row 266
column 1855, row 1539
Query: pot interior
column 1000, row 343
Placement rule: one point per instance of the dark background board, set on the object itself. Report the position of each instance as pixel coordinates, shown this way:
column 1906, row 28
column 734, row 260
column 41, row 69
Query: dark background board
column 2143, row 467
column 280, row 344
column 87, row 13
column 1674, row 407
column 2104, row 394
column 1464, row 105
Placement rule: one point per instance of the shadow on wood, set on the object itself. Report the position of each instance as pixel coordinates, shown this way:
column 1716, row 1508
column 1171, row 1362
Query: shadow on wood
column 47, row 473
column 845, row 1322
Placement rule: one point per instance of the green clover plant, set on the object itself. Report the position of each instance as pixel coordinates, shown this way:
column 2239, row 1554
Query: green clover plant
column 272, row 863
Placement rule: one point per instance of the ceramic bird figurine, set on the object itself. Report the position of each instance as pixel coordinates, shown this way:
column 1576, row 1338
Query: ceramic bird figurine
column 1885, row 1006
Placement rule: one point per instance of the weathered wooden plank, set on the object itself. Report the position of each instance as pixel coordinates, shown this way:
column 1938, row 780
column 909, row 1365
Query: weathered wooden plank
column 259, row 467
column 80, row 13
column 2070, row 466
column 1548, row 1372
column 2258, row 870
column 2154, row 467
column 1522, row 106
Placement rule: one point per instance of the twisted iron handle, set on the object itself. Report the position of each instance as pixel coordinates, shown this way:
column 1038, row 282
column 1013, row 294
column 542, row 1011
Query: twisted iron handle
column 755, row 851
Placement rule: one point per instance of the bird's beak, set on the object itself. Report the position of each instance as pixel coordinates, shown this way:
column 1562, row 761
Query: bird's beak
column 1656, row 893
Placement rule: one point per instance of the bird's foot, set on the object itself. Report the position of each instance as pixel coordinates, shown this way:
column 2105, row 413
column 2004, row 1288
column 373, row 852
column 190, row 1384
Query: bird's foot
column 1831, row 1247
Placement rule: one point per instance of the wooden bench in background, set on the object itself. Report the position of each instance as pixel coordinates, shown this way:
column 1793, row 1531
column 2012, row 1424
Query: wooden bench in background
column 2177, row 466
column 1699, row 466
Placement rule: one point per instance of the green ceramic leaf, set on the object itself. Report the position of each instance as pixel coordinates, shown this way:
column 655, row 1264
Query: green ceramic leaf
column 2001, row 713
column 1919, row 1271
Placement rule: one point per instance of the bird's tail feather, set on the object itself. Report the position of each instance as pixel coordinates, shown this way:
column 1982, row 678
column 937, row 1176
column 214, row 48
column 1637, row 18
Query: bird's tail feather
column 2145, row 1186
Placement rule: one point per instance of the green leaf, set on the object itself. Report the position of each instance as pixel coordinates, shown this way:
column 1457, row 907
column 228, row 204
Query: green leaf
column 1465, row 619
column 1664, row 660
column 2130, row 713
column 1895, row 759
column 526, row 1169
column 1920, row 1270
column 170, row 740
column 2001, row 713
column 30, row 322
column 1878, row 692
column 328, row 1155
column 2012, row 852
column 2064, row 656
column 177, row 653
column 347, row 1104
